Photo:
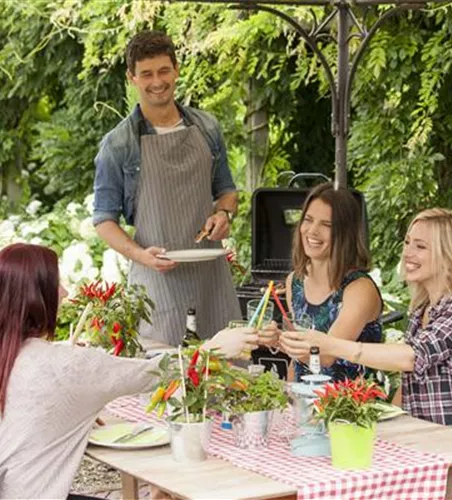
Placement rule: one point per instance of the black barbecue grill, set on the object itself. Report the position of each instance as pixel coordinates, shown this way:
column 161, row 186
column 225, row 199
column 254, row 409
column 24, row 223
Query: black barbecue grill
column 275, row 213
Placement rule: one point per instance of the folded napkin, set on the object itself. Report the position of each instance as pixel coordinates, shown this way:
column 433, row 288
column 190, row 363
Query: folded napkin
column 389, row 411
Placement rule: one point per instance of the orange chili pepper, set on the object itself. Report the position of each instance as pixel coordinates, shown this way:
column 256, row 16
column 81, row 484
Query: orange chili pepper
column 239, row 385
column 171, row 389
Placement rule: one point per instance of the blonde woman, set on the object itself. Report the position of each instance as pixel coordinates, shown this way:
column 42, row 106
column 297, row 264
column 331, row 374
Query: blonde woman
column 425, row 359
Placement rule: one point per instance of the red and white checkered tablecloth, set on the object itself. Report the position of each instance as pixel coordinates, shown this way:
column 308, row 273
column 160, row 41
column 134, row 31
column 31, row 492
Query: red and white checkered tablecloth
column 398, row 473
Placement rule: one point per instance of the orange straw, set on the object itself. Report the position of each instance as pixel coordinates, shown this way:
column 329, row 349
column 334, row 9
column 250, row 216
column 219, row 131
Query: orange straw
column 281, row 308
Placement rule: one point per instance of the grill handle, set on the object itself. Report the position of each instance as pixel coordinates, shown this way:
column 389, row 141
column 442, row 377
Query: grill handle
column 308, row 175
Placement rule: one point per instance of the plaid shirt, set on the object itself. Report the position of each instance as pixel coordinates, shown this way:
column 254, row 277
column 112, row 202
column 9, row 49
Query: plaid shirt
column 427, row 390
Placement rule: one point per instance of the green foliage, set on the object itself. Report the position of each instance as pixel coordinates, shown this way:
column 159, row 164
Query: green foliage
column 63, row 87
column 265, row 392
column 400, row 145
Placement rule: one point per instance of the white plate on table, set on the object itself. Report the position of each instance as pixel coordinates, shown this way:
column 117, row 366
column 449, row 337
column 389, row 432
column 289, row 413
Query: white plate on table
column 194, row 255
column 104, row 435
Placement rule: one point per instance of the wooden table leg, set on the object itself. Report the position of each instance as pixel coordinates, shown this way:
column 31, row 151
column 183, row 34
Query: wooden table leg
column 129, row 487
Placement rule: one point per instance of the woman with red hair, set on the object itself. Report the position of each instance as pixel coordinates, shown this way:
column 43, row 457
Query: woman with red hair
column 50, row 394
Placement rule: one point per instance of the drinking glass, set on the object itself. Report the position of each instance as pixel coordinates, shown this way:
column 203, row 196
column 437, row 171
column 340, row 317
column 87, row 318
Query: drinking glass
column 296, row 323
column 240, row 323
column 251, row 307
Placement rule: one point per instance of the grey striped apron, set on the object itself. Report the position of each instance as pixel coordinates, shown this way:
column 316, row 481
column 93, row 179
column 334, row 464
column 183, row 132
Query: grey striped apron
column 174, row 200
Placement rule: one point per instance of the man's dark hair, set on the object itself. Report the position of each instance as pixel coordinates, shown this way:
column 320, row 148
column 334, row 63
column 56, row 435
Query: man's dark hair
column 148, row 44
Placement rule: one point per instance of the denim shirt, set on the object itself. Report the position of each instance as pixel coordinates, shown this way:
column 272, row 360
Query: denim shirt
column 118, row 163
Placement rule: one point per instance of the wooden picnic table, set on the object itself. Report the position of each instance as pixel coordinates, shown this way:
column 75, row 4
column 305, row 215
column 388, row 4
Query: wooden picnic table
column 219, row 479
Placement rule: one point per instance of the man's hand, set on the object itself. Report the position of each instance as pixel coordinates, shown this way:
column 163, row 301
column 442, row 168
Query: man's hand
column 218, row 226
column 149, row 258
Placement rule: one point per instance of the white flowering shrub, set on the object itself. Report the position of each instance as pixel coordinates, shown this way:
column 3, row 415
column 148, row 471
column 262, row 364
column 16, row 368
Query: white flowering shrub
column 68, row 230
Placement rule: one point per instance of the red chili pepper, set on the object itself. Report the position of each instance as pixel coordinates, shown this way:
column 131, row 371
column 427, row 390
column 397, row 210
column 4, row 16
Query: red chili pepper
column 193, row 375
column 230, row 257
column 119, row 346
column 194, row 359
column 108, row 293
column 116, row 327
column 318, row 405
column 97, row 323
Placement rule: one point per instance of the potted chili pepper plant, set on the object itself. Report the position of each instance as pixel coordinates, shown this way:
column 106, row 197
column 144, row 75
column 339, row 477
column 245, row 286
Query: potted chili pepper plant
column 190, row 390
column 108, row 316
column 350, row 411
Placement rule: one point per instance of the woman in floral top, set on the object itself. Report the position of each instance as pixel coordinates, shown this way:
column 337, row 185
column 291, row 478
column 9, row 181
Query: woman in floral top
column 330, row 283
column 425, row 359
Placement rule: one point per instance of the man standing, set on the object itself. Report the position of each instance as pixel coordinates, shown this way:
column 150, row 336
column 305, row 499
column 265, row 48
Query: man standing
column 164, row 168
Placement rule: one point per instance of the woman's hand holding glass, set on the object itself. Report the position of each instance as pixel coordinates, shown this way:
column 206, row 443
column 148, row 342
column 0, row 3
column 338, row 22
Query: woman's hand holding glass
column 297, row 344
column 269, row 335
column 294, row 324
column 232, row 342
column 293, row 343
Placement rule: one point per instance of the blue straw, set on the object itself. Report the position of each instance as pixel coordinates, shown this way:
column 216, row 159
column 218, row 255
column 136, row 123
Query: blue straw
column 257, row 311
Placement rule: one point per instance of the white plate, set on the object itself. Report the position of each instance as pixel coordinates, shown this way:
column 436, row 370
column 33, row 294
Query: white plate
column 104, row 435
column 194, row 255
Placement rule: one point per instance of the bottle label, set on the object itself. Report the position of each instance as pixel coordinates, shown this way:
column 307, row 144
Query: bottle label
column 314, row 364
column 191, row 323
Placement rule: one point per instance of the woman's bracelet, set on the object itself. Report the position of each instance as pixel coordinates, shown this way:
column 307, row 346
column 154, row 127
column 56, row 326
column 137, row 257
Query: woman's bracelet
column 357, row 356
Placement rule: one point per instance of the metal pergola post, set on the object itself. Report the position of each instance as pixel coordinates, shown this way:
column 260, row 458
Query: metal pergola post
column 341, row 85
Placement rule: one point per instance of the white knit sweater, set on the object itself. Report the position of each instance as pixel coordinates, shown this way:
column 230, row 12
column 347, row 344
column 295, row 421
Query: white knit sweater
column 54, row 395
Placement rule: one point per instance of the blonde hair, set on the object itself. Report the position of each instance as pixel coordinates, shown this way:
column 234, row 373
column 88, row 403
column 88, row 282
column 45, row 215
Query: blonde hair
column 439, row 221
column 348, row 248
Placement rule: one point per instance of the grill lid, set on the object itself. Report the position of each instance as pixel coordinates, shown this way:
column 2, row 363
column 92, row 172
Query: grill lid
column 275, row 213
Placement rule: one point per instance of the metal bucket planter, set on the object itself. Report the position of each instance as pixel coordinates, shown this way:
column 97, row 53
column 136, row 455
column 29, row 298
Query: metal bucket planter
column 351, row 445
column 251, row 430
column 190, row 441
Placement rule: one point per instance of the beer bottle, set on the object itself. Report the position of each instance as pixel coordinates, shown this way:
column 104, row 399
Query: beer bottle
column 190, row 330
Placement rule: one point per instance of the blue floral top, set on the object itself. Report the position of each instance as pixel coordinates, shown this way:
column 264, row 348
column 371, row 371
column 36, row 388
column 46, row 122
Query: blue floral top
column 323, row 316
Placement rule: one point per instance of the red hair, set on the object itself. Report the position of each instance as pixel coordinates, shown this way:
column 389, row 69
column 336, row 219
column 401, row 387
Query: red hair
column 29, row 283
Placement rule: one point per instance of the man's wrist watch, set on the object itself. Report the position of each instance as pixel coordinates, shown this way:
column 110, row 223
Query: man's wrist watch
column 229, row 214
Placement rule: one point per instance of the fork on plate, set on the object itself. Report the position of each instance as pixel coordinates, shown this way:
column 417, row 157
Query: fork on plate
column 138, row 429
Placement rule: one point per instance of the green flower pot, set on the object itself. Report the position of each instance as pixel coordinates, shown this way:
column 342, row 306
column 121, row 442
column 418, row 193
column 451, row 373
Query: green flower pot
column 351, row 445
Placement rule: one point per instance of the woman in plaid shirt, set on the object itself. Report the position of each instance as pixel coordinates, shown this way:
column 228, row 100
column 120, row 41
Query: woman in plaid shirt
column 425, row 359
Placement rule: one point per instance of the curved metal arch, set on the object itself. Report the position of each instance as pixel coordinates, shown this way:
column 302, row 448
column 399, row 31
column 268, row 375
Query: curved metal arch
column 366, row 39
column 346, row 72
column 310, row 41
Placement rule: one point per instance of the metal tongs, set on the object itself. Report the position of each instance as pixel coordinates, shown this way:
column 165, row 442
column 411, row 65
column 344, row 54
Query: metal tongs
column 203, row 233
